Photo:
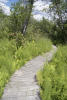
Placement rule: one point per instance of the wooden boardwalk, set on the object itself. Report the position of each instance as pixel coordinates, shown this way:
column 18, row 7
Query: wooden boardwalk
column 23, row 84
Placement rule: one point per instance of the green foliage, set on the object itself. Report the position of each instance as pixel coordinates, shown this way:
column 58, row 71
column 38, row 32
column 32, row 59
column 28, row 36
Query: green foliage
column 11, row 59
column 59, row 35
column 46, row 27
column 52, row 79
column 60, row 18
column 19, row 16
column 2, row 15
column 33, row 31
column 4, row 21
column 37, row 29
column 17, row 20
column 32, row 49
column 7, row 51
column 15, row 48
column 20, row 40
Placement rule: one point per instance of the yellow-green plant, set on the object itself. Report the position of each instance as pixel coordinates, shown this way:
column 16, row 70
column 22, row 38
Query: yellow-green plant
column 12, row 58
column 52, row 79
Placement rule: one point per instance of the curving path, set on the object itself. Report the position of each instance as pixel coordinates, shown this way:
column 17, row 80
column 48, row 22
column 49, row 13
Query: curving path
column 23, row 84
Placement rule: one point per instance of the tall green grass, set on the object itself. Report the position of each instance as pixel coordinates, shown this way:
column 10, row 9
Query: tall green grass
column 12, row 59
column 32, row 49
column 53, row 78
column 7, row 51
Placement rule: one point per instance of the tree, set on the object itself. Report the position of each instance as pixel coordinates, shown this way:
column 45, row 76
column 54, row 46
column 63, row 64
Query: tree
column 20, row 16
column 17, row 17
column 60, row 18
column 4, row 22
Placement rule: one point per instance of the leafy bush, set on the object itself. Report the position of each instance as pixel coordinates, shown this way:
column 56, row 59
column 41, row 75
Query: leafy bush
column 52, row 79
column 46, row 27
column 19, row 39
column 4, row 30
column 33, row 31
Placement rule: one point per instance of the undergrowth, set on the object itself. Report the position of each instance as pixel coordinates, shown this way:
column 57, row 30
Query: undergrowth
column 12, row 58
column 53, row 78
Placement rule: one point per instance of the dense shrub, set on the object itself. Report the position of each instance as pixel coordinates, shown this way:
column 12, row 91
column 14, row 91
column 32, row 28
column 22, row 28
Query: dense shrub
column 52, row 79
column 46, row 27
column 4, row 30
column 19, row 39
column 33, row 31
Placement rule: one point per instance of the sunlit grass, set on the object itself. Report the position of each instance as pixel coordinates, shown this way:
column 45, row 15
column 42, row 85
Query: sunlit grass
column 12, row 59
column 52, row 79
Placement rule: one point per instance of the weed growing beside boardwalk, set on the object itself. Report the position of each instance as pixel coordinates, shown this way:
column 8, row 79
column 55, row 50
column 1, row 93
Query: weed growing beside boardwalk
column 11, row 59
column 52, row 79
